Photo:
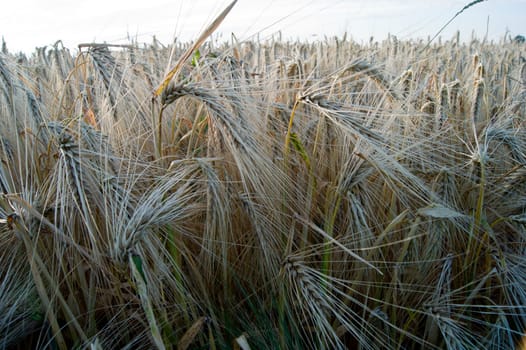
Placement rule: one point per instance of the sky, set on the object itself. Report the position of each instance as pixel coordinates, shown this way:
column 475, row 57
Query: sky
column 26, row 24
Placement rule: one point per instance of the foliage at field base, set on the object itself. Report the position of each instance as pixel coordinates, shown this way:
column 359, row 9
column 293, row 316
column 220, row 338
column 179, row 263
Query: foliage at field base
column 276, row 195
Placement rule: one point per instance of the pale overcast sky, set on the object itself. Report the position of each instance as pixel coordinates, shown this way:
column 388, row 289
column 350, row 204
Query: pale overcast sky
column 26, row 24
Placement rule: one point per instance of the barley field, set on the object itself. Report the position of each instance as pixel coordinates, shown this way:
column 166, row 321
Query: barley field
column 268, row 195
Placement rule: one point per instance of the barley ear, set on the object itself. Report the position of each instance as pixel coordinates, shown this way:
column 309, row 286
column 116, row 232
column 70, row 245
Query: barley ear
column 476, row 107
column 476, row 60
column 443, row 106
column 407, row 79
column 208, row 31
column 523, row 76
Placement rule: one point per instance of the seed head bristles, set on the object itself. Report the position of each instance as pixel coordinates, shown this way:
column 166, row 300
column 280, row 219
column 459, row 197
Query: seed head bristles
column 274, row 194
column 231, row 128
column 378, row 324
column 34, row 108
column 355, row 121
column 305, row 290
column 446, row 189
column 443, row 107
column 17, row 291
column 318, row 298
column 455, row 334
column 454, row 90
column 428, row 107
column 350, row 123
column 331, row 240
column 190, row 51
column 59, row 61
column 522, row 94
column 476, row 62
column 107, row 70
column 505, row 136
column 190, row 335
column 7, row 156
column 6, row 83
column 440, row 300
column 479, row 72
column 523, row 77
column 169, row 201
column 361, row 66
column 219, row 211
column 501, row 337
column 406, row 81
column 477, row 104
column 81, row 187
column 103, row 45
column 519, row 105
column 261, row 226
column 473, row 3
